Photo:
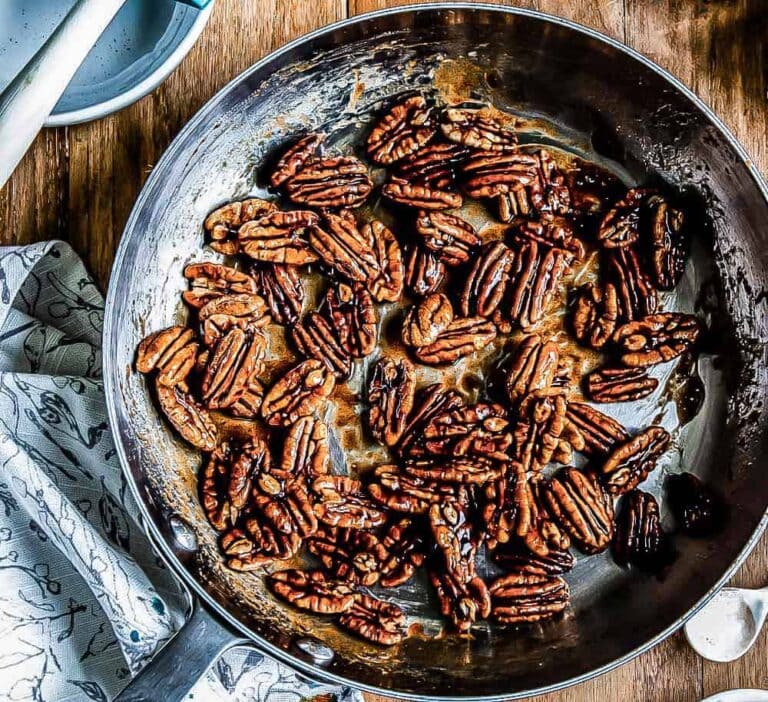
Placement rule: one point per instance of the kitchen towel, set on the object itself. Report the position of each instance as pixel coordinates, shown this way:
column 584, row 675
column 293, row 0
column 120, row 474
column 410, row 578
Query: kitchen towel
column 84, row 600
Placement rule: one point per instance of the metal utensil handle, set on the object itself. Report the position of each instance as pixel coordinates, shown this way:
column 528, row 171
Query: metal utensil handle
column 170, row 675
column 26, row 103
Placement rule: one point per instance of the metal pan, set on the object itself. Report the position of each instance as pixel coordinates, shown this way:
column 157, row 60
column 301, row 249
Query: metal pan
column 578, row 90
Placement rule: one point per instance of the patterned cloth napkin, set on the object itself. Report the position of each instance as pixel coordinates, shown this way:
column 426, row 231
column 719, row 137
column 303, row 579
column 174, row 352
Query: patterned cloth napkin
column 84, row 600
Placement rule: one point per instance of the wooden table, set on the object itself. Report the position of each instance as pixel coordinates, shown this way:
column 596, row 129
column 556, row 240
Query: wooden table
column 79, row 184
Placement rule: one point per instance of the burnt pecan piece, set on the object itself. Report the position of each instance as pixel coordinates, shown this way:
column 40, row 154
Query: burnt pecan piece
column 374, row 620
column 223, row 223
column 639, row 538
column 315, row 337
column 667, row 241
column 540, row 423
column 622, row 224
column 387, row 285
column 341, row 181
column 345, row 248
column 426, row 320
column 599, row 433
column 400, row 492
column 434, row 166
column 474, row 129
column 305, row 449
column 295, row 158
column 631, row 462
column 451, row 238
column 520, row 598
column 533, row 367
column 299, row 393
column 620, row 384
column 463, row 336
column 282, row 289
column 579, row 504
column 158, row 349
column 595, row 314
column 516, row 557
column 343, row 504
column 424, row 271
column 487, row 281
column 430, row 401
column 390, row 397
column 403, row 130
column 189, row 419
column 404, row 542
column 348, row 554
column 697, row 508
column 506, row 177
column 312, row 591
column 420, row 196
column 635, row 293
column 245, row 311
column 656, row 338
column 353, row 316
column 280, row 237
column 212, row 280
column 235, row 361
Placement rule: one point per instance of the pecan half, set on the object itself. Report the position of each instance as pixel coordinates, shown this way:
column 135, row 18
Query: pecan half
column 424, row 271
column 578, row 503
column 305, row 450
column 280, row 237
column 341, row 181
column 426, row 320
column 315, row 337
column 621, row 225
column 353, row 316
column 343, row 247
column 636, row 295
column 177, row 368
column 620, row 384
column 248, row 404
column 451, row 238
column 516, row 557
column 299, row 393
column 223, row 223
column 639, row 538
column 403, row 130
column 254, row 547
column 405, row 544
column 599, row 433
column 311, row 590
column 400, row 492
column 434, row 166
column 461, row 470
column 519, row 597
column 533, row 367
column 295, row 158
column 234, row 362
column 282, row 290
column 390, row 397
column 631, row 462
column 343, row 504
column 420, row 196
column 656, row 338
column 697, row 508
column 487, row 281
column 667, row 239
column 540, row 423
column 189, row 419
column 430, row 401
column 387, row 285
column 211, row 280
column 347, row 554
column 374, row 620
column 550, row 193
column 245, row 311
column 463, row 336
column 471, row 128
column 595, row 315
column 282, row 504
column 157, row 349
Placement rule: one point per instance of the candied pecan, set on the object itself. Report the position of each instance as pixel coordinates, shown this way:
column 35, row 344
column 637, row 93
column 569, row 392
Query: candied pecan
column 160, row 347
column 177, row 368
column 234, row 362
column 599, row 432
column 667, row 240
column 426, row 320
column 344, row 505
column 282, row 504
column 595, row 315
column 463, row 336
column 343, row 247
column 521, row 597
column 295, row 158
column 405, row 545
column 400, row 492
column 402, row 131
column 248, row 404
column 433, row 166
column 299, row 393
column 222, row 224
column 466, row 471
column 620, row 384
column 697, row 508
column 390, row 396
column 424, row 271
column 473, row 129
column 258, row 545
column 282, row 289
column 420, row 196
column 549, row 193
column 305, row 450
column 451, row 238
column 578, row 503
column 350, row 555
column 639, row 538
column 280, row 237
column 430, row 401
column 656, row 338
column 631, row 462
column 211, row 280
column 353, row 316
column 387, row 285
column 315, row 338
column 541, row 419
column 487, row 281
column 312, row 591
column 621, row 225
column 374, row 620
column 592, row 188
column 635, row 293
column 516, row 557
column 550, row 231
column 341, row 181
column 533, row 367
column 245, row 311
column 507, row 177
column 463, row 603
column 192, row 421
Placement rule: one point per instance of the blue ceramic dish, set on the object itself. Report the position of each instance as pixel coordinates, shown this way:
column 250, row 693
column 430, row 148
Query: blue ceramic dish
column 137, row 52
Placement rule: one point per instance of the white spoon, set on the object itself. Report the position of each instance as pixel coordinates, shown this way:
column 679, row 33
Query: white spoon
column 739, row 696
column 729, row 624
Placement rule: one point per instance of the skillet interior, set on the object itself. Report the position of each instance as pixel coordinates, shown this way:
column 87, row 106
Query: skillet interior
column 591, row 97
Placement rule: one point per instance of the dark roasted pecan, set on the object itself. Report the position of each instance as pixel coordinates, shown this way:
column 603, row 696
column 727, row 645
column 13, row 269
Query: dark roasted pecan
column 294, row 159
column 301, row 392
column 592, row 188
column 667, row 239
column 245, row 311
column 549, row 193
column 474, row 129
column 387, row 285
column 157, row 349
column 595, row 315
column 348, row 554
column 620, row 384
column 698, row 510
column 631, row 462
column 282, row 289
column 248, row 404
column 404, row 542
column 222, row 224
column 233, row 364
column 343, row 504
column 635, row 293
column 315, row 337
column 402, row 131
column 461, row 470
column 192, row 421
column 426, row 320
column 353, row 316
column 540, row 423
column 430, row 401
column 462, row 603
column 374, row 620
column 516, row 557
column 281, row 237
column 518, row 598
column 405, row 493
column 578, row 503
column 305, row 450
column 312, row 591
column 656, row 338
column 341, row 181
column 211, row 280
column 487, row 281
column 420, row 196
column 639, row 538
column 551, row 231
column 463, row 336
column 533, row 367
column 598, row 433
column 451, row 238
column 390, row 396
column 424, row 271
column 255, row 546
column 433, row 166
column 621, row 225
column 345, row 248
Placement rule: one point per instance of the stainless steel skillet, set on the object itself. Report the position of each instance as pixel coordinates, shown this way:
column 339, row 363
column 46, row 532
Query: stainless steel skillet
column 584, row 93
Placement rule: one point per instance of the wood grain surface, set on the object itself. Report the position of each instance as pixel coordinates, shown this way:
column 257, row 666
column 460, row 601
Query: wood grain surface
column 79, row 184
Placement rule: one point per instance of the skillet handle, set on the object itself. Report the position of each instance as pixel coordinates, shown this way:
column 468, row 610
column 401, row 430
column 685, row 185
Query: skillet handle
column 183, row 660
